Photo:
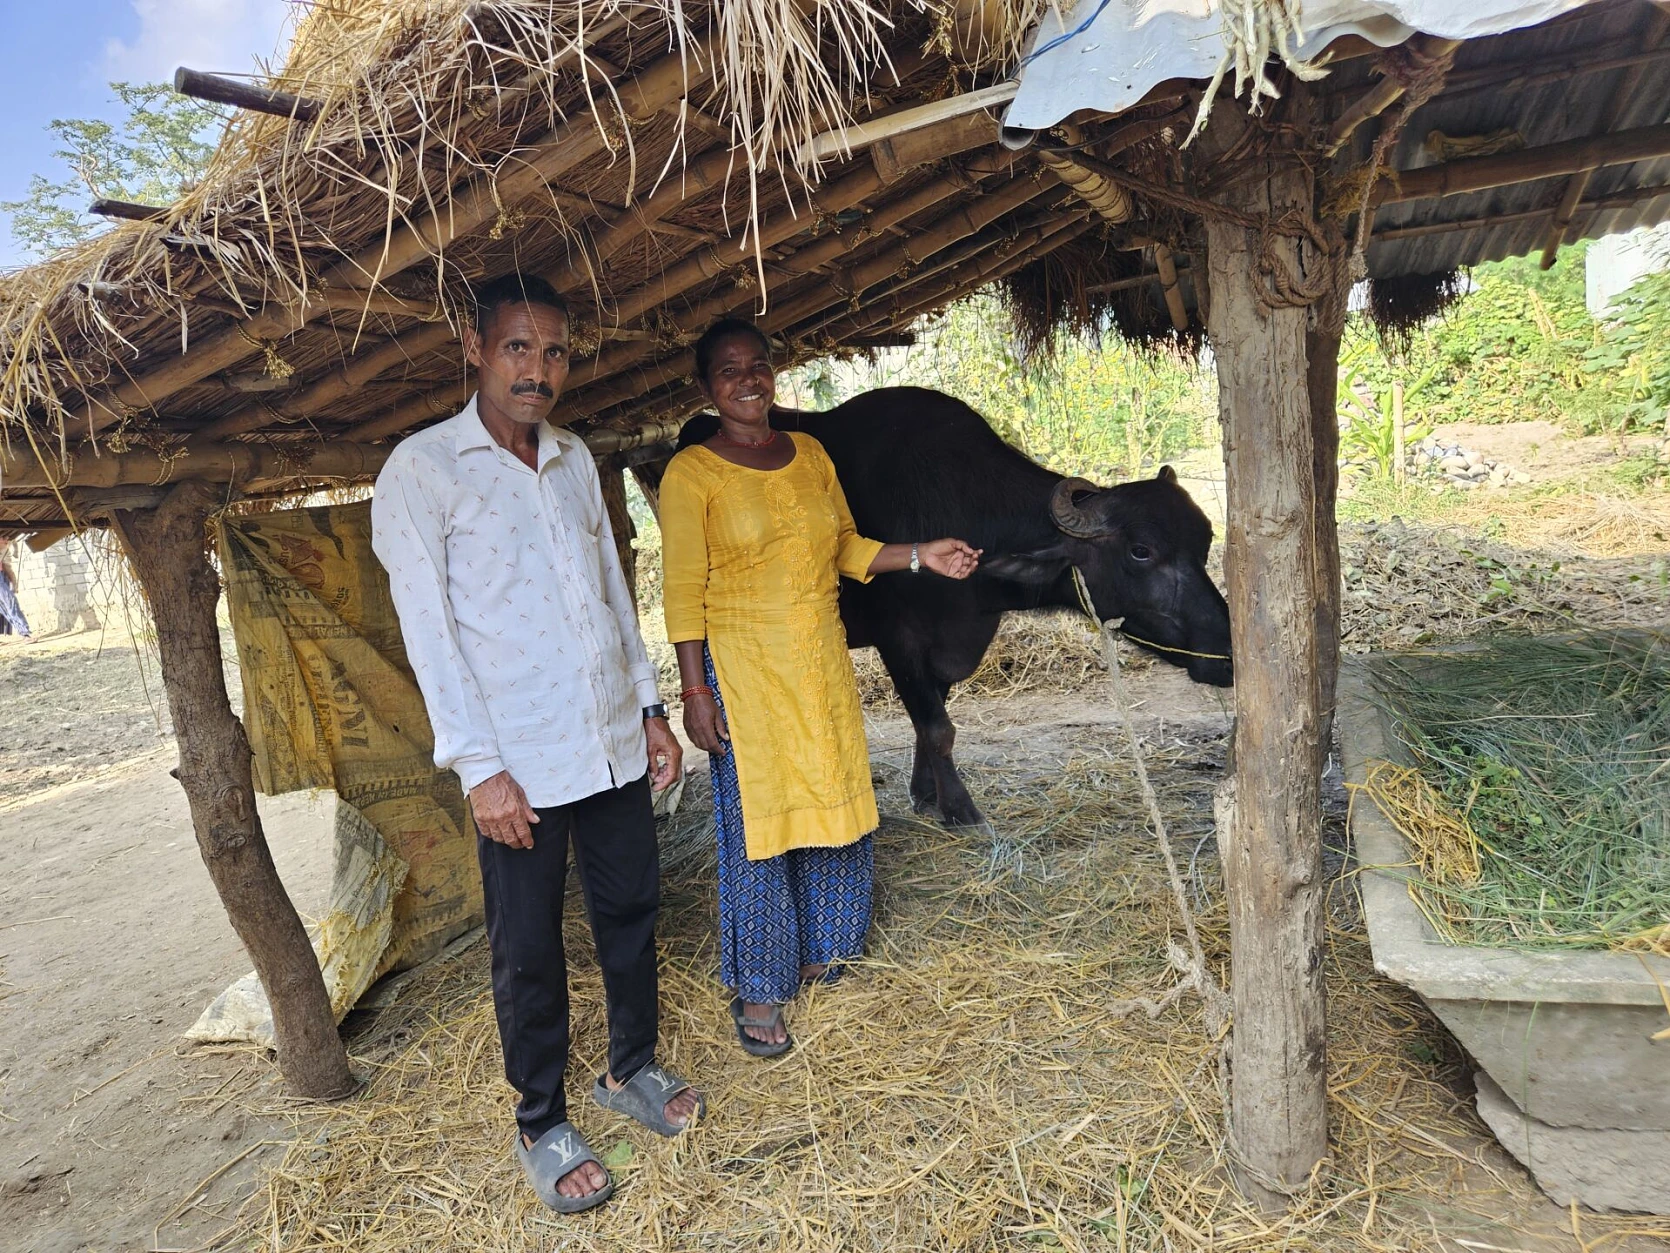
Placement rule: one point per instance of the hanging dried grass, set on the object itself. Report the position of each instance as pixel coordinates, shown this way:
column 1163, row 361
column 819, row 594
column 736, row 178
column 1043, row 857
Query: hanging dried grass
column 1398, row 307
column 1254, row 31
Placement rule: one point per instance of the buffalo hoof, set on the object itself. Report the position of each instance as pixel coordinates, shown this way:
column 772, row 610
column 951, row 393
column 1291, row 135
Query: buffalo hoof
column 924, row 808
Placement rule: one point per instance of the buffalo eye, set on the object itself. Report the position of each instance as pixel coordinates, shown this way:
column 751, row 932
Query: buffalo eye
column 1141, row 553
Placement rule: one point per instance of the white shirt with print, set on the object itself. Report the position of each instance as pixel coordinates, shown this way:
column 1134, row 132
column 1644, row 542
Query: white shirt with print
column 515, row 612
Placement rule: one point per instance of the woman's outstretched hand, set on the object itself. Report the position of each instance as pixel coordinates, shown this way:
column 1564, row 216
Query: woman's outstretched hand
column 705, row 725
column 950, row 557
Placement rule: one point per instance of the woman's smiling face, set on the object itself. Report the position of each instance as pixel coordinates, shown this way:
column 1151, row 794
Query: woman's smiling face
column 740, row 380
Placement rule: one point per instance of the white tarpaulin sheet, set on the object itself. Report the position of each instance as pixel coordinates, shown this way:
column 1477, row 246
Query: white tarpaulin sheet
column 1108, row 54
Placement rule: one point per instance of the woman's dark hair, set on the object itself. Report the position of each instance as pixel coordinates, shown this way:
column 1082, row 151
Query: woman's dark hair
column 716, row 334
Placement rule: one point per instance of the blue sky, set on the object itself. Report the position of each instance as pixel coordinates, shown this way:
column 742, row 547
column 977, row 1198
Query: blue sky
column 57, row 59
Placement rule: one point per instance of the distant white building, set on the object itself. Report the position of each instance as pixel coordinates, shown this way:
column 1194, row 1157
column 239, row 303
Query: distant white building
column 77, row 584
column 1615, row 261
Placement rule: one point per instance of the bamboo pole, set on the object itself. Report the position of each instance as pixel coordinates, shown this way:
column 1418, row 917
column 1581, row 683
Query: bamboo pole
column 803, row 261
column 945, row 231
column 1509, row 79
column 1643, row 143
column 240, row 95
column 1600, row 204
column 697, row 267
column 1101, row 194
column 356, row 372
column 898, row 306
column 1168, row 286
column 1654, row 25
column 213, row 461
column 481, row 201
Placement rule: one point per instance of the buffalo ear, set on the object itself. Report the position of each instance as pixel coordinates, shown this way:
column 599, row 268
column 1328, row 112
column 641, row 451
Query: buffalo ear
column 1167, row 475
column 1036, row 567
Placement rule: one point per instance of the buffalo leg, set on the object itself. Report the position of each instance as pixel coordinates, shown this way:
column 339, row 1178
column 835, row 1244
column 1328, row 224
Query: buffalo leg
column 935, row 783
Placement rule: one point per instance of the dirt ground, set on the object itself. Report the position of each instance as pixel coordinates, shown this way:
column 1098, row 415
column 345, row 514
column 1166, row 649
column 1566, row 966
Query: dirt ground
column 113, row 1135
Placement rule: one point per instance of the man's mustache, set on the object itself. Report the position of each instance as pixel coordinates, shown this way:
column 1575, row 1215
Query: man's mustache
column 542, row 390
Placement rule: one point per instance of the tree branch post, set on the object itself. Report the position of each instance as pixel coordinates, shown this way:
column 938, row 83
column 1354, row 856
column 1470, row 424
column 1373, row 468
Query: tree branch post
column 167, row 547
column 1270, row 840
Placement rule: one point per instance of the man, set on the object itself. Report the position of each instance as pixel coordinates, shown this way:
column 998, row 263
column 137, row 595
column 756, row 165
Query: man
column 522, row 633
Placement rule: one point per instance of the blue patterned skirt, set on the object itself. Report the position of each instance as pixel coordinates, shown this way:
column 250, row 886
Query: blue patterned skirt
column 11, row 613
column 808, row 907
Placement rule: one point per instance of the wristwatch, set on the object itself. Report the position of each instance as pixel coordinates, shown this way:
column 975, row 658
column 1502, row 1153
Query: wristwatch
column 915, row 559
column 654, row 711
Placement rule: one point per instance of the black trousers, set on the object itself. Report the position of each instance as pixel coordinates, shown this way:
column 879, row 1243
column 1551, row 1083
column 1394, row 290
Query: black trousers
column 613, row 834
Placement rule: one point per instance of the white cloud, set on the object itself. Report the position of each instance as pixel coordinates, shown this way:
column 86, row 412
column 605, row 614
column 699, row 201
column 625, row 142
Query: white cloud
column 220, row 35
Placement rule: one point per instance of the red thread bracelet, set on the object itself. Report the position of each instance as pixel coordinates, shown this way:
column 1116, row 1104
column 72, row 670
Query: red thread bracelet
column 688, row 692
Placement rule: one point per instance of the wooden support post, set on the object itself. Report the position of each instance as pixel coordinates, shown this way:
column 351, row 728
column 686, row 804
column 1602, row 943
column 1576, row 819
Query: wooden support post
column 1322, row 343
column 1271, row 843
column 167, row 548
column 649, row 474
column 612, row 476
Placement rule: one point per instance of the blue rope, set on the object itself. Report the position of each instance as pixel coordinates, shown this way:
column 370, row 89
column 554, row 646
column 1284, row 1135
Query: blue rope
column 1064, row 36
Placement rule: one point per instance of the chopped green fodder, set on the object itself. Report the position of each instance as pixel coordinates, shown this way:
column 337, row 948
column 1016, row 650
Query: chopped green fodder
column 1553, row 754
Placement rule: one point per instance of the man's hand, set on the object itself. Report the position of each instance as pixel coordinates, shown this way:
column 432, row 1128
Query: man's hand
column 666, row 754
column 502, row 812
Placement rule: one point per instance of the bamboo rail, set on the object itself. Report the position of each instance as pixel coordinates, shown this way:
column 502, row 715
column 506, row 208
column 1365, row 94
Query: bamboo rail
column 1644, row 143
column 1654, row 26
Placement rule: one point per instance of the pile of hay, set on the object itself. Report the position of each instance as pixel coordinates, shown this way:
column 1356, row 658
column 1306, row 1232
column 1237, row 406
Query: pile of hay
column 971, row 1085
column 1539, row 806
column 1407, row 585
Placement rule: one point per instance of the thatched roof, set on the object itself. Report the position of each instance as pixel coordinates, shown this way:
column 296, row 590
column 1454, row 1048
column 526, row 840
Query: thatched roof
column 662, row 163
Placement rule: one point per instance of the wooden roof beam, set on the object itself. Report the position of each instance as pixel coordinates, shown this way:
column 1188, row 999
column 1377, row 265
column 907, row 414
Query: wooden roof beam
column 942, row 233
column 218, row 89
column 479, row 203
column 900, row 307
column 127, row 210
column 958, row 225
column 1528, row 165
column 1654, row 26
column 1599, row 204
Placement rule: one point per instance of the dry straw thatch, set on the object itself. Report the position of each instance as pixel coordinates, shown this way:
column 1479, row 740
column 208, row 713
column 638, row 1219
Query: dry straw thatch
column 427, row 110
column 966, row 1087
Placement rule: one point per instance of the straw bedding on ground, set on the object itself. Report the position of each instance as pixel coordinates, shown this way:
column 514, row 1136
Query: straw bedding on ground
column 975, row 1083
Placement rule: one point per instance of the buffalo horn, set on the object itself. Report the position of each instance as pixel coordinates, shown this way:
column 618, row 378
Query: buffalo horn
column 1067, row 515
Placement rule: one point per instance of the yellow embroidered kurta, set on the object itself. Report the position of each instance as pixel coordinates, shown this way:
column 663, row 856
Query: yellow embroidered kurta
column 752, row 560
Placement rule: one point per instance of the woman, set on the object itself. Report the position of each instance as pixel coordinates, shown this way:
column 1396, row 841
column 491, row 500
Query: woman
column 756, row 533
column 11, row 613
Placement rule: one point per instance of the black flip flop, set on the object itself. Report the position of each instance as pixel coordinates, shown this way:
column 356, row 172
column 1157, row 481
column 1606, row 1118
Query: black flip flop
column 751, row 1046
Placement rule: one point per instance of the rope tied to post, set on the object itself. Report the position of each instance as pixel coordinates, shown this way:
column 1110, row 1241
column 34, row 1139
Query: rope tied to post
column 1190, row 963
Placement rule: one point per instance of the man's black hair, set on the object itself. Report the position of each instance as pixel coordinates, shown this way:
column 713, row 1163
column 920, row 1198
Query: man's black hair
column 721, row 330
column 514, row 289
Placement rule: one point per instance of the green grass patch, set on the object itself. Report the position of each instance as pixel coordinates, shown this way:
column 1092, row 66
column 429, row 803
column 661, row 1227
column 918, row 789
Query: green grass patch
column 1555, row 752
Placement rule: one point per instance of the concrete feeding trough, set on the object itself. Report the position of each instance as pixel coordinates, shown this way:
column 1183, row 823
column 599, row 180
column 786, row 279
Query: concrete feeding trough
column 1568, row 1073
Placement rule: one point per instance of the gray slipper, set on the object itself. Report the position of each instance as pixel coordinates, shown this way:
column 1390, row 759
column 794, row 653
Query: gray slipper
column 644, row 1097
column 759, row 1048
column 557, row 1153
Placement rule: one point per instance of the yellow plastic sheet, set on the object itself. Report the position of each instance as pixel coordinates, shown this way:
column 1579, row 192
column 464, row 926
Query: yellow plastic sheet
column 329, row 702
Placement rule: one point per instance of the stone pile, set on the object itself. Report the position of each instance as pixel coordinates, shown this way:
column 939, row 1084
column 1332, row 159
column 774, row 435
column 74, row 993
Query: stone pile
column 1461, row 467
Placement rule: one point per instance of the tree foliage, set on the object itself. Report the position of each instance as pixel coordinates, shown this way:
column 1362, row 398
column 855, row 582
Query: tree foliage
column 1105, row 412
column 157, row 152
column 1522, row 344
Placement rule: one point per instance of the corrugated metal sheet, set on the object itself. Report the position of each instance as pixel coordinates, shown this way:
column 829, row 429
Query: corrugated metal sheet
column 1108, row 62
column 1541, row 114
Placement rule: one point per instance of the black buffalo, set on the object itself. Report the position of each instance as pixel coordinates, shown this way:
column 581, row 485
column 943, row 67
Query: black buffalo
column 918, row 464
